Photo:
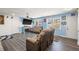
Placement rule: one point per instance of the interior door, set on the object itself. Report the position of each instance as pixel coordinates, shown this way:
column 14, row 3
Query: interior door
column 71, row 27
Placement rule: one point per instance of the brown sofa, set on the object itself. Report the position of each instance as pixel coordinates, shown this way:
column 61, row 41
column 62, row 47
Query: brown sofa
column 41, row 41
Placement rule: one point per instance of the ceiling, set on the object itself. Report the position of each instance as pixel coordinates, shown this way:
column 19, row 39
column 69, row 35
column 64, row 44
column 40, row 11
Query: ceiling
column 33, row 12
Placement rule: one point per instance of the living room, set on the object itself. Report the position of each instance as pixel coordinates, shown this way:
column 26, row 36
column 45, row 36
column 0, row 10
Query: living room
column 28, row 24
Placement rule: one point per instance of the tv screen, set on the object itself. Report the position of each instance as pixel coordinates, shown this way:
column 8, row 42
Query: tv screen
column 27, row 21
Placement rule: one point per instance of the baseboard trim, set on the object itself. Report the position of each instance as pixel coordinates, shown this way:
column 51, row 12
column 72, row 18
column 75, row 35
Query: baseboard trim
column 65, row 37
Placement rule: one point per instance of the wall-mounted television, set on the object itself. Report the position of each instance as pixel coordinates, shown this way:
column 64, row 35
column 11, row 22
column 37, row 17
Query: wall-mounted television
column 27, row 21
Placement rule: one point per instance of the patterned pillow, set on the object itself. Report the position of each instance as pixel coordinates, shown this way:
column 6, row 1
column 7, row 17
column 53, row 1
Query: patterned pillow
column 3, row 37
column 6, row 37
column 9, row 37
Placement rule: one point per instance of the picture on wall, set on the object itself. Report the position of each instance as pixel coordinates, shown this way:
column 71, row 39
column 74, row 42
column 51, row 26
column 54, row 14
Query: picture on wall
column 63, row 23
column 63, row 18
column 50, row 20
column 1, row 19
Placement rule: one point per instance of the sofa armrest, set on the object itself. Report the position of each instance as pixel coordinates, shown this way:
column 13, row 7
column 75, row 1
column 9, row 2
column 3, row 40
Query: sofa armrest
column 32, row 44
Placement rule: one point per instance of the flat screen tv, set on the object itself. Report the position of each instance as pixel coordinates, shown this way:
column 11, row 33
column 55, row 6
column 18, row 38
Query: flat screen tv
column 27, row 21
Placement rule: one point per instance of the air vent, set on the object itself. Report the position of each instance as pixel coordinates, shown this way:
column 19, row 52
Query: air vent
column 72, row 14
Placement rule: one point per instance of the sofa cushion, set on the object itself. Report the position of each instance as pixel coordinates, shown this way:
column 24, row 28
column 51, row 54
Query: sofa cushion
column 33, row 39
column 46, row 30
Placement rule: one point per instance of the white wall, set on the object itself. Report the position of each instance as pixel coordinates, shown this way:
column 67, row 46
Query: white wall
column 10, row 26
column 71, row 31
column 71, row 26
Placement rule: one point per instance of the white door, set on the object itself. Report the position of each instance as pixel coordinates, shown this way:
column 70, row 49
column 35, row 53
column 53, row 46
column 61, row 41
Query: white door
column 72, row 26
column 78, row 28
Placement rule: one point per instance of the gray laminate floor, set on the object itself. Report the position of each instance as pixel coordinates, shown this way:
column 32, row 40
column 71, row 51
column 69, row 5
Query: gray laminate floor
column 59, row 43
